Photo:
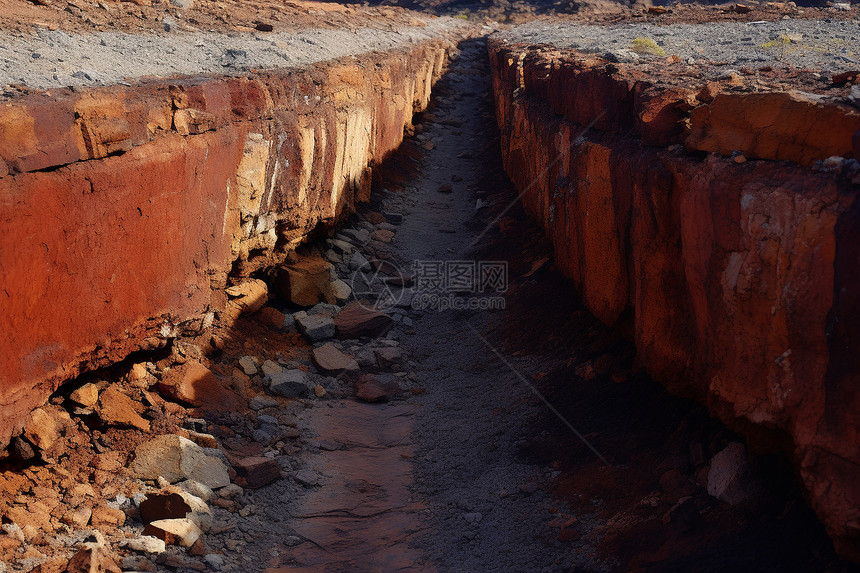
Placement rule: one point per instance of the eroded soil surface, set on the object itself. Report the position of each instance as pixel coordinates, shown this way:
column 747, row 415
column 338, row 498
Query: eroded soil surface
column 515, row 439
column 53, row 59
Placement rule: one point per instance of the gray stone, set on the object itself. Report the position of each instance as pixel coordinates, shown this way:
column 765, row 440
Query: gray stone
column 388, row 356
column 307, row 477
column 339, row 291
column 248, row 365
column 291, row 383
column 197, row 489
column 365, row 357
column 261, row 402
column 324, row 308
column 263, row 437
column 231, row 491
column 128, row 563
column 215, row 561
column 316, row 327
column 341, row 247
column 289, row 321
column 330, row 360
column 730, row 478
column 358, row 261
column 266, row 420
column 358, row 237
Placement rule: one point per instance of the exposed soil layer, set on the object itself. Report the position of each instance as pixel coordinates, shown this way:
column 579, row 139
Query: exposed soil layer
column 691, row 251
column 205, row 180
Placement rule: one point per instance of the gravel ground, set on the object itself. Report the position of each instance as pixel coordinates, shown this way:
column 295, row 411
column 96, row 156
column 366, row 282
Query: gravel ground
column 49, row 59
column 830, row 46
column 488, row 509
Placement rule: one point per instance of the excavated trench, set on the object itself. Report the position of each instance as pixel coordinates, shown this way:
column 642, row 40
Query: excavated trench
column 275, row 321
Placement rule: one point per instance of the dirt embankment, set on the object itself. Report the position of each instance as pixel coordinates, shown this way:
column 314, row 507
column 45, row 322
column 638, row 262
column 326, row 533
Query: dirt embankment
column 681, row 210
column 152, row 197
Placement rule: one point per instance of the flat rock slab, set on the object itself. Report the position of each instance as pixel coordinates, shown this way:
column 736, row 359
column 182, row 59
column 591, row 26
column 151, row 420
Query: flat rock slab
column 356, row 321
column 359, row 516
column 332, row 361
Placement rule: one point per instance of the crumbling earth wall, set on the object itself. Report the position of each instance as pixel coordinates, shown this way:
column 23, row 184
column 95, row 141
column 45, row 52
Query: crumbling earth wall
column 125, row 210
column 740, row 278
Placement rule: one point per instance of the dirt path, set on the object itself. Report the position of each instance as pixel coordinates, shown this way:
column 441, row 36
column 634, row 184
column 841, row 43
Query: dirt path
column 433, row 481
column 488, row 508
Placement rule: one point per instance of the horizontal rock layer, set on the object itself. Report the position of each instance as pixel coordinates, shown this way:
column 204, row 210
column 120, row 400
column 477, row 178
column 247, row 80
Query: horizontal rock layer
column 741, row 280
column 123, row 210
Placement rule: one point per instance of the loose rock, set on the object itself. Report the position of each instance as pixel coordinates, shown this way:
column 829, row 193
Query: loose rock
column 195, row 384
column 258, row 471
column 182, row 532
column 87, row 395
column 291, row 383
column 145, row 544
column 356, row 321
column 42, row 428
column 305, row 281
column 117, row 408
column 388, row 356
column 316, row 327
column 332, row 361
column 176, row 458
column 730, row 478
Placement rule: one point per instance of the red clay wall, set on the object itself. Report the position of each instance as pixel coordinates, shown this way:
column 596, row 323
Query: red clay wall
column 122, row 210
column 742, row 280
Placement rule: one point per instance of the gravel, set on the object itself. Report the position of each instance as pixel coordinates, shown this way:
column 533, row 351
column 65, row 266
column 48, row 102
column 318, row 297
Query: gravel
column 830, row 46
column 50, row 59
column 489, row 508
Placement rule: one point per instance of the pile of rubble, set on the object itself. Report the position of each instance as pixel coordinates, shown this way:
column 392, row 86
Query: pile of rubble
column 150, row 463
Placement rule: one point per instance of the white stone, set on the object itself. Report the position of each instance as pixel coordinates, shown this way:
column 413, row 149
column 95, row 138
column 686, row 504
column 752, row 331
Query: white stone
column 175, row 458
column 196, row 488
column 184, row 530
column 145, row 544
